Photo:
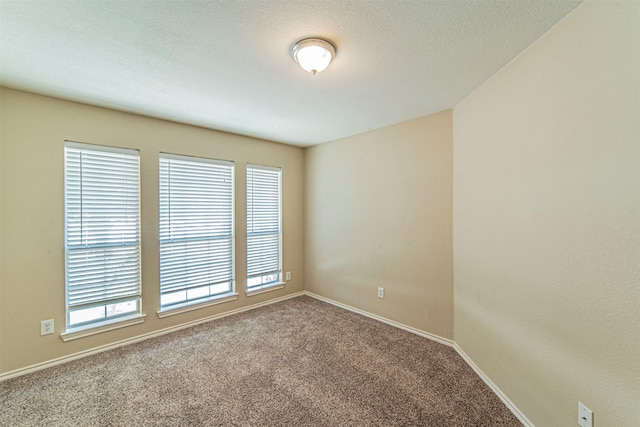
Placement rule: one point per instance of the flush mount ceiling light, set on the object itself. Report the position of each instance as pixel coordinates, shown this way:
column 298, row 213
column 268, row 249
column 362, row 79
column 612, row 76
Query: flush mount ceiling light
column 313, row 55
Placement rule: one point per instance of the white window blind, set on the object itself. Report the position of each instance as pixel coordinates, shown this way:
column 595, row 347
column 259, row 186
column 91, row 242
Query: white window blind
column 102, row 233
column 196, row 230
column 264, row 229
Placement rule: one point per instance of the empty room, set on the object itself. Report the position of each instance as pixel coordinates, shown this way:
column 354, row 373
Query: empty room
column 330, row 213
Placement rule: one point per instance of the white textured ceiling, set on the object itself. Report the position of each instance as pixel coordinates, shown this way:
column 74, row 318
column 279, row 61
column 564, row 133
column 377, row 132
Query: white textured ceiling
column 226, row 64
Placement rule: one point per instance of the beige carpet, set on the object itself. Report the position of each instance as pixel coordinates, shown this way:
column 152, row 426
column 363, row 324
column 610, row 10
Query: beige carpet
column 300, row 362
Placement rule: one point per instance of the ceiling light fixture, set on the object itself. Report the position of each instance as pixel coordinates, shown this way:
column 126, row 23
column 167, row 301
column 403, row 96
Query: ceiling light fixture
column 313, row 55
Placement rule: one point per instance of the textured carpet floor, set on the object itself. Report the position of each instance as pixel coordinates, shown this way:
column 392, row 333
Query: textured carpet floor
column 300, row 362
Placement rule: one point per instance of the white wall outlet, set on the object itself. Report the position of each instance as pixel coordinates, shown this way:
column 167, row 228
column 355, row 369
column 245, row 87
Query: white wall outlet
column 46, row 327
column 287, row 275
column 585, row 416
column 380, row 292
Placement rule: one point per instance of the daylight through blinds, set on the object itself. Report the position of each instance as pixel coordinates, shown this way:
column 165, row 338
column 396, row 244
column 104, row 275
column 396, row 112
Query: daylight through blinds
column 196, row 229
column 263, row 226
column 102, row 233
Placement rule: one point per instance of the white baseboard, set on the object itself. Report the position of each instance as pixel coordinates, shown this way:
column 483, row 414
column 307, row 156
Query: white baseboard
column 508, row 403
column 122, row 343
column 503, row 397
column 399, row 325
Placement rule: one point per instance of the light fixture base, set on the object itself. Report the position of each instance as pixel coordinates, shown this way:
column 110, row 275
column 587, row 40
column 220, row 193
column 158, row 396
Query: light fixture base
column 313, row 54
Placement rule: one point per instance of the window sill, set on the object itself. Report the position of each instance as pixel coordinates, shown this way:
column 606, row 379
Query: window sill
column 266, row 288
column 109, row 325
column 189, row 307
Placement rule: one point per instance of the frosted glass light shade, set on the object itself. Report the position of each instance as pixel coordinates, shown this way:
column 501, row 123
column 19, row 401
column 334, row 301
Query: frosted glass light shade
column 313, row 55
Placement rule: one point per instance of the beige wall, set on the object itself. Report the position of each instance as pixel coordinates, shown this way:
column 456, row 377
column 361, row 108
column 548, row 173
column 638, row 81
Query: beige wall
column 34, row 129
column 547, row 221
column 378, row 213
column 546, row 195
column 1, row 293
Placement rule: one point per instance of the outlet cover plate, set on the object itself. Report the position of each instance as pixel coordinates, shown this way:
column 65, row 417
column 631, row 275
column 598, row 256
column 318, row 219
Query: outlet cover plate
column 46, row 327
column 585, row 416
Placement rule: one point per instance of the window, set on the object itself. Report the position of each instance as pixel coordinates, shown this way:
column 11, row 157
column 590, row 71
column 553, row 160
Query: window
column 196, row 230
column 102, row 234
column 264, row 231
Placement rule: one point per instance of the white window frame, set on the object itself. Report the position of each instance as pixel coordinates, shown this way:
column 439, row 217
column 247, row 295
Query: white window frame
column 186, row 284
column 263, row 279
column 93, row 243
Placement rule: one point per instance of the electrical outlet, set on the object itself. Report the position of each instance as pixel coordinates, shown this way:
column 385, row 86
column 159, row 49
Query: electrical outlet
column 585, row 416
column 287, row 275
column 380, row 292
column 46, row 327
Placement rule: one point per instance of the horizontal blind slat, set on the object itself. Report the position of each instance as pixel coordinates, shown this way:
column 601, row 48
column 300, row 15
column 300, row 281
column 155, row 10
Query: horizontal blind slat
column 196, row 225
column 102, row 225
column 263, row 221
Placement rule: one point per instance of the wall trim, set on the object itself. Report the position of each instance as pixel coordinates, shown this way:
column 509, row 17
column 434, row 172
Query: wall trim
column 508, row 403
column 503, row 397
column 60, row 360
column 133, row 340
column 399, row 325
